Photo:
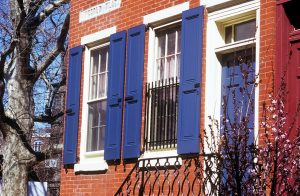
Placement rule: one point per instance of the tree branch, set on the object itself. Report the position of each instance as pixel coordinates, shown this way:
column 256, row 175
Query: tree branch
column 21, row 5
column 49, row 152
column 3, row 55
column 47, row 118
column 56, row 51
column 37, row 20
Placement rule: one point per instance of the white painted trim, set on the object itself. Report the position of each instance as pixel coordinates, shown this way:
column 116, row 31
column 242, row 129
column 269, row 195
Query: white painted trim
column 211, row 3
column 151, row 55
column 100, row 35
column 166, row 13
column 257, row 63
column 215, row 44
column 234, row 10
column 162, row 154
column 235, row 46
column 93, row 164
column 159, row 153
column 90, row 161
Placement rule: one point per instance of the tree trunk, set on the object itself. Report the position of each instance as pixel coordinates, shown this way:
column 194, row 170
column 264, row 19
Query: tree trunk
column 15, row 162
column 17, row 157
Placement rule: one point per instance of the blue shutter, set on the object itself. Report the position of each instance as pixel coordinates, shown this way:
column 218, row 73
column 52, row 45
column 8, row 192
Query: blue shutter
column 134, row 89
column 190, row 82
column 115, row 96
column 72, row 112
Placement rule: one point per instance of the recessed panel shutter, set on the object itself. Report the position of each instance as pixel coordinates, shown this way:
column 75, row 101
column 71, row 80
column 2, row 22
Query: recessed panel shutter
column 115, row 96
column 190, row 82
column 72, row 112
column 134, row 89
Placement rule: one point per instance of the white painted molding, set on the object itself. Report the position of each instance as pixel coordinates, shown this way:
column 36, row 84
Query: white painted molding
column 213, row 5
column 100, row 35
column 166, row 13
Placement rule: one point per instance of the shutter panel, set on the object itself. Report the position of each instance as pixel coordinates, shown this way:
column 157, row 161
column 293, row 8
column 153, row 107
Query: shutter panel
column 115, row 96
column 190, row 82
column 72, row 112
column 134, row 89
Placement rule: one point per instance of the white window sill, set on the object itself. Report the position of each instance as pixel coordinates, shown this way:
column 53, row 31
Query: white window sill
column 163, row 156
column 92, row 161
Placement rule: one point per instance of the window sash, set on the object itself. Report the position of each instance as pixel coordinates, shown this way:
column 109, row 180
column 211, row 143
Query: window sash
column 163, row 69
column 98, row 79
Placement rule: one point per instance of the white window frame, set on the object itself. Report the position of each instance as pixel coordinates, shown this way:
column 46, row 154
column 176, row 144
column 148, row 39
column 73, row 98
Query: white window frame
column 154, row 21
column 98, row 99
column 215, row 46
column 90, row 161
column 158, row 20
column 153, row 66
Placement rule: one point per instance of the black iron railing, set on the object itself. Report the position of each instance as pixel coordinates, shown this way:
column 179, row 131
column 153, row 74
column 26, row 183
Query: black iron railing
column 169, row 176
column 161, row 114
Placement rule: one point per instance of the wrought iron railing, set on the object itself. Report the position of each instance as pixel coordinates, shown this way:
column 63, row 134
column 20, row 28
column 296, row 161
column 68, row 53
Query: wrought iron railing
column 169, row 176
column 161, row 114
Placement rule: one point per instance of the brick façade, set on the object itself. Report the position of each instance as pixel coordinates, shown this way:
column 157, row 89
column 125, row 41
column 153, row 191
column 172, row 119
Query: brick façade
column 131, row 14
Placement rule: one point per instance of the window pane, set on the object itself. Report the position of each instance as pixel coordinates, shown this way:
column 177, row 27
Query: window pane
column 95, row 61
column 102, row 85
column 179, row 41
column 228, row 34
column 170, row 67
column 178, row 66
column 103, row 53
column 97, row 80
column 161, row 45
column 102, row 112
column 171, row 42
column 161, row 68
column 96, row 126
column 101, row 137
column 93, row 87
column 244, row 30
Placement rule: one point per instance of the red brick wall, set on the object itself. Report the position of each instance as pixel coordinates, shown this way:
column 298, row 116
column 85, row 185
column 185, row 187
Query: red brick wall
column 267, row 51
column 130, row 14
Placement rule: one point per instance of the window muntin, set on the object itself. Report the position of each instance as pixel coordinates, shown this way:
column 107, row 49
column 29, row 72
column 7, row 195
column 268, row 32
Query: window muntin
column 167, row 52
column 240, row 31
column 97, row 99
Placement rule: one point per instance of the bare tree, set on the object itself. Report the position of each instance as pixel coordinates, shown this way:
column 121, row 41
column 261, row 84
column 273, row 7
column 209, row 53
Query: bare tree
column 33, row 42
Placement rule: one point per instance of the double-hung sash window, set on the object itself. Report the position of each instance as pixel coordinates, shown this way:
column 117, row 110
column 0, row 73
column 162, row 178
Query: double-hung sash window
column 162, row 92
column 97, row 99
